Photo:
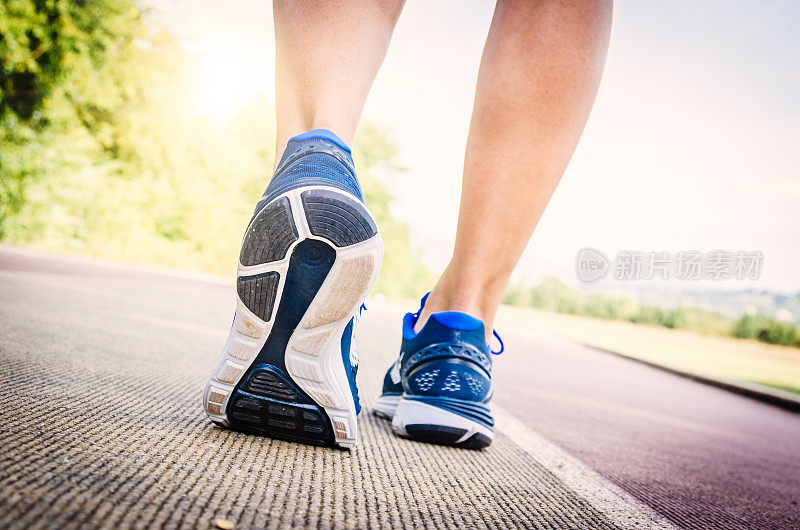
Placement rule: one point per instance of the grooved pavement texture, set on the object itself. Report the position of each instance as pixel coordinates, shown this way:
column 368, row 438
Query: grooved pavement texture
column 101, row 426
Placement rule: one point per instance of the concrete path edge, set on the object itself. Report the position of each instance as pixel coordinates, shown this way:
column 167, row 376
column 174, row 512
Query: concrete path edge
column 779, row 398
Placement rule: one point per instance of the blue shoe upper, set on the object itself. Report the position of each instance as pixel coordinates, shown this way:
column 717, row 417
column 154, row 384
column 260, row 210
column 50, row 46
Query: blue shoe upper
column 350, row 359
column 448, row 359
column 314, row 158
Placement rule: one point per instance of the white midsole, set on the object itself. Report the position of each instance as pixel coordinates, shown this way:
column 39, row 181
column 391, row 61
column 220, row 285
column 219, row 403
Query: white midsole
column 386, row 405
column 410, row 412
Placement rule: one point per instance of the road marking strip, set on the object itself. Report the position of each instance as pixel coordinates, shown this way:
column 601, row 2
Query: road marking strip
column 620, row 507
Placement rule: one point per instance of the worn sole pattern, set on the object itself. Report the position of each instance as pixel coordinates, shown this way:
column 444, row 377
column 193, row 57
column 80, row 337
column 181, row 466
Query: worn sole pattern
column 308, row 261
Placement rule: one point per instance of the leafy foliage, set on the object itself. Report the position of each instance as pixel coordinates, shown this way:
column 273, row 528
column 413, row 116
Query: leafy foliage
column 60, row 90
column 101, row 153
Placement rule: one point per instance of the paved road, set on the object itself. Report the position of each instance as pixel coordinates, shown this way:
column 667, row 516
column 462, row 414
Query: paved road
column 701, row 456
column 101, row 367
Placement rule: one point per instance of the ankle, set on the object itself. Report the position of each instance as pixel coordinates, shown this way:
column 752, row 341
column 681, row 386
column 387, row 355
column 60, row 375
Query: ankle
column 477, row 299
column 289, row 128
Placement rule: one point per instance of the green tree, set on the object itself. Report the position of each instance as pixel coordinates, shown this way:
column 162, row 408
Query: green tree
column 61, row 86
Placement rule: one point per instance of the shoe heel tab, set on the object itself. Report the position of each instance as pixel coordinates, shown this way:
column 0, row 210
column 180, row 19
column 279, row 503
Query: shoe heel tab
column 449, row 320
column 323, row 134
column 458, row 320
column 408, row 326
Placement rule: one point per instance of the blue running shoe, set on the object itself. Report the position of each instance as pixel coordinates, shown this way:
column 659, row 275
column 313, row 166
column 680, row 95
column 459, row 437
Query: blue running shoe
column 309, row 258
column 439, row 388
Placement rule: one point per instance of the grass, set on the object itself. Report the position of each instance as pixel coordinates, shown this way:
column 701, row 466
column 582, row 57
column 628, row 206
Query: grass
column 730, row 358
column 791, row 389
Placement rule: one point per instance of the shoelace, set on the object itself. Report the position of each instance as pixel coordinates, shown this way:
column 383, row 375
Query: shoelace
column 502, row 346
column 494, row 331
column 421, row 305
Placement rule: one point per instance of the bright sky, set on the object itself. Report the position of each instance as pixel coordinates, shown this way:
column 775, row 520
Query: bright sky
column 692, row 144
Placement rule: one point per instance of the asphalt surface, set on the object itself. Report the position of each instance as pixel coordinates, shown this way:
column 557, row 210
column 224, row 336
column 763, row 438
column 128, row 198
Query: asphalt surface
column 102, row 366
column 701, row 456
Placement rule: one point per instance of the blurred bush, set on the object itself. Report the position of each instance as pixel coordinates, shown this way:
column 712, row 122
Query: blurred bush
column 101, row 151
column 749, row 326
column 554, row 295
column 776, row 332
column 766, row 330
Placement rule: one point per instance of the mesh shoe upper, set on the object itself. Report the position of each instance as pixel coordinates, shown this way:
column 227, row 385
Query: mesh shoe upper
column 392, row 384
column 317, row 157
column 448, row 358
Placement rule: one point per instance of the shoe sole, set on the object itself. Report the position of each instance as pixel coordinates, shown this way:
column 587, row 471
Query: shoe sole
column 386, row 405
column 428, row 423
column 309, row 258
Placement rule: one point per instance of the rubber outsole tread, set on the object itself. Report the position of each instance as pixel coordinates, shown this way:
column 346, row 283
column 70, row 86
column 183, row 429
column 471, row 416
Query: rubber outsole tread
column 476, row 441
column 436, row 434
column 269, row 404
column 270, row 234
column 267, row 382
column 258, row 292
column 444, row 435
column 332, row 216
